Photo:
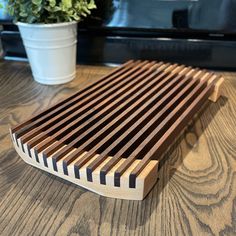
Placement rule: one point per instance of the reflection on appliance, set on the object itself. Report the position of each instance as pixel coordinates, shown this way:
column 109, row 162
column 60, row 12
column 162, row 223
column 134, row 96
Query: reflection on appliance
column 180, row 18
column 200, row 32
column 227, row 15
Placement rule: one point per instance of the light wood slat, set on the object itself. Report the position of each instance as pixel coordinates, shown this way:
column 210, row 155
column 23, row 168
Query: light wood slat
column 82, row 105
column 99, row 115
column 142, row 122
column 166, row 139
column 103, row 140
column 110, row 136
column 68, row 148
column 173, row 115
column 140, row 131
column 130, row 128
column 97, row 137
column 84, row 97
column 80, row 115
column 58, row 106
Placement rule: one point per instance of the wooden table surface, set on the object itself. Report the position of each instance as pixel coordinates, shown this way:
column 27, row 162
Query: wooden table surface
column 195, row 194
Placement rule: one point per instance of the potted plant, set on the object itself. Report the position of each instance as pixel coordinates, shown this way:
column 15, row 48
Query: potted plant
column 49, row 32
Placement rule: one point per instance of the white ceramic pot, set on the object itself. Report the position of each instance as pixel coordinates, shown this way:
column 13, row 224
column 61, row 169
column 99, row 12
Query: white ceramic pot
column 51, row 50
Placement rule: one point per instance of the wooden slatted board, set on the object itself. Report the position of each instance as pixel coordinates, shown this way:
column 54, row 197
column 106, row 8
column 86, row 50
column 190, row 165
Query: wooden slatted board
column 110, row 136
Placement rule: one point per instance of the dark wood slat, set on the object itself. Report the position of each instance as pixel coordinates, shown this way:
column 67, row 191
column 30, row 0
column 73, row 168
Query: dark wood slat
column 116, row 158
column 124, row 114
column 142, row 121
column 103, row 140
column 59, row 144
column 172, row 132
column 54, row 107
column 98, row 114
column 174, row 114
column 80, row 115
column 90, row 91
column 81, row 106
column 67, row 149
column 70, row 146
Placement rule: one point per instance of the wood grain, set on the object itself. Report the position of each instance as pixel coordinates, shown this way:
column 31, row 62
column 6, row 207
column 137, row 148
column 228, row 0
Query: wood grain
column 195, row 195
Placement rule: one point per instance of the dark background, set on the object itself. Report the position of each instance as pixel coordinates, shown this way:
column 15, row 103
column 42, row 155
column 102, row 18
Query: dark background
column 200, row 33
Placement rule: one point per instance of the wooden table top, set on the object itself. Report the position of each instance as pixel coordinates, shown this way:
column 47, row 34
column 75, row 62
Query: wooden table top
column 195, row 194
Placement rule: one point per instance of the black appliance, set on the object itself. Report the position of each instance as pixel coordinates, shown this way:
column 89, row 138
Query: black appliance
column 194, row 32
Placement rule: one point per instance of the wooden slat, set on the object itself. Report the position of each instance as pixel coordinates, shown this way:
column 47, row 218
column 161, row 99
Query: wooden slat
column 148, row 123
column 97, row 117
column 140, row 122
column 103, row 140
column 82, row 105
column 162, row 144
column 164, row 124
column 110, row 132
column 79, row 116
column 55, row 107
column 70, row 146
column 90, row 91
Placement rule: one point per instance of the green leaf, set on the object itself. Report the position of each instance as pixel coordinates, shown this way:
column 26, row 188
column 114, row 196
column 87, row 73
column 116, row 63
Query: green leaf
column 52, row 3
column 92, row 5
column 37, row 2
column 67, row 3
column 49, row 11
